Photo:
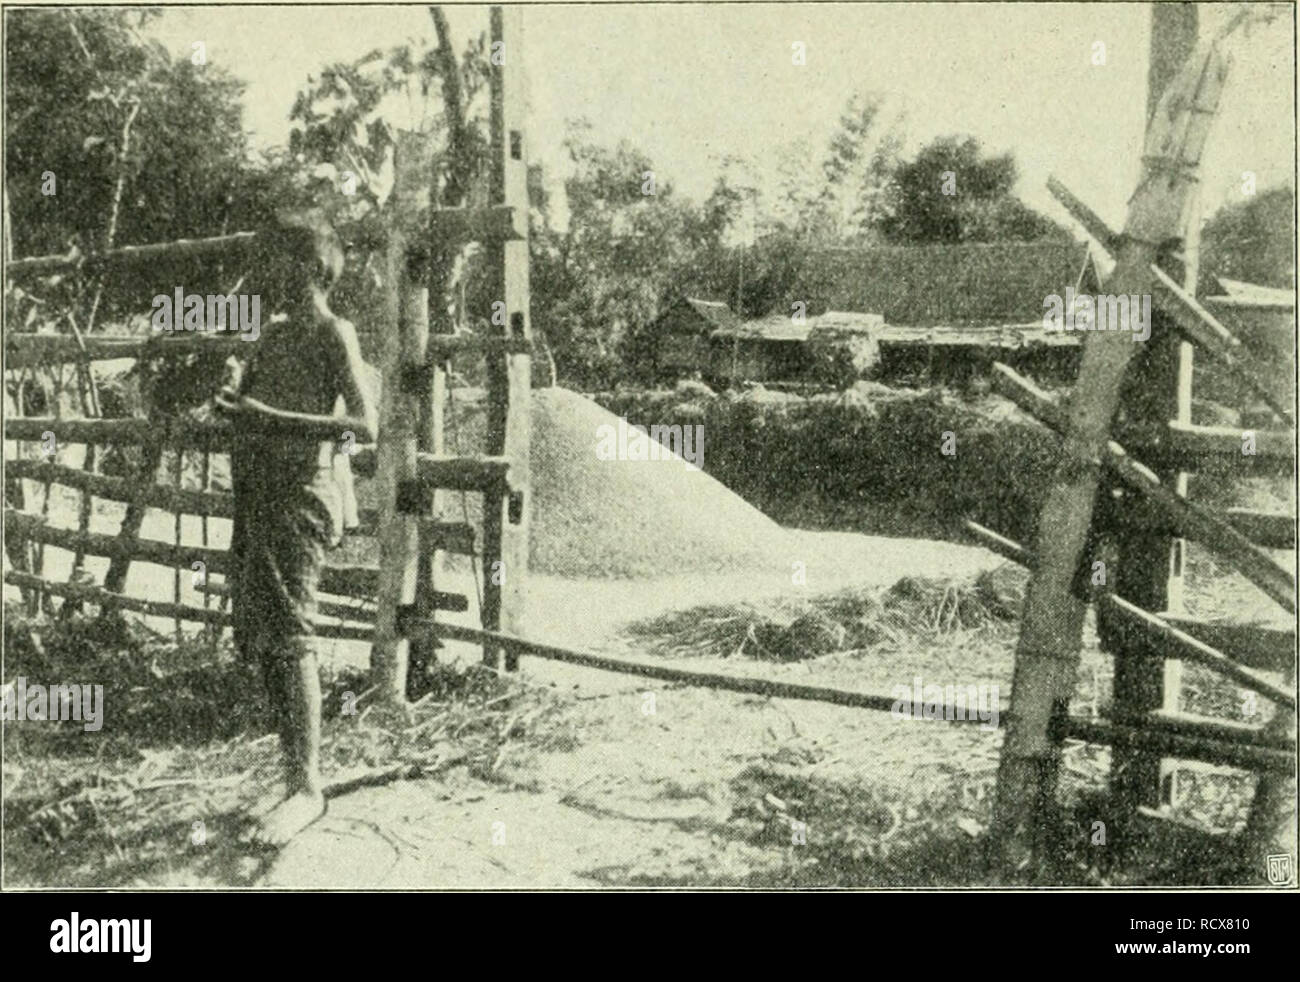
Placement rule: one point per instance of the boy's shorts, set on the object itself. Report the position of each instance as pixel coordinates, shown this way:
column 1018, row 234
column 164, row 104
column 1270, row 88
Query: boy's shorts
column 277, row 552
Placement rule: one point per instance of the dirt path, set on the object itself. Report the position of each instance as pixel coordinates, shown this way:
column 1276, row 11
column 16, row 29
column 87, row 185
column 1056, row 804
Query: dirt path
column 659, row 792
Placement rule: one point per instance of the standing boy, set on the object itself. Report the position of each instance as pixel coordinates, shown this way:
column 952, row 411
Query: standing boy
column 288, row 505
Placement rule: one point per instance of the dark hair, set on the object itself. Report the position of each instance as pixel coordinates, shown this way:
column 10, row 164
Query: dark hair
column 307, row 236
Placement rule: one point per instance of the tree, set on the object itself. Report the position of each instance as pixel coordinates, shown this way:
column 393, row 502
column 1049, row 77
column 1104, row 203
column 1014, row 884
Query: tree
column 629, row 245
column 140, row 148
column 1252, row 240
column 859, row 169
column 951, row 192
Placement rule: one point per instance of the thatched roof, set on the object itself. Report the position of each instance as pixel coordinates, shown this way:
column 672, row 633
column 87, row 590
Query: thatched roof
column 953, row 285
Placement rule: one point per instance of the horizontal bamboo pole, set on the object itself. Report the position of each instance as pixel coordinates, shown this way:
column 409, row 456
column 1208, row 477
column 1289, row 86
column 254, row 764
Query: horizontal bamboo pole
column 352, row 581
column 1180, row 745
column 176, row 432
column 1178, row 739
column 98, row 595
column 1256, row 646
column 421, row 627
column 1001, row 545
column 183, row 433
column 1169, row 642
column 25, row 350
column 1273, row 530
column 30, row 527
column 205, row 615
column 1211, row 449
column 1259, row 646
column 452, row 473
column 154, row 253
column 1188, row 520
column 1224, row 730
column 443, row 471
column 213, row 503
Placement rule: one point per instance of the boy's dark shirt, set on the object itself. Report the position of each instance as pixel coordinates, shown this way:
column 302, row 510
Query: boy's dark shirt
column 288, row 506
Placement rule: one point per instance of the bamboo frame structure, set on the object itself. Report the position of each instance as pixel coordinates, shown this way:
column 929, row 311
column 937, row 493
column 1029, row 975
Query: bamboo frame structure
column 1052, row 622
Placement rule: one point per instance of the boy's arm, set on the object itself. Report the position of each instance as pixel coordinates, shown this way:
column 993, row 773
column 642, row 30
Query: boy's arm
column 362, row 418
column 362, row 414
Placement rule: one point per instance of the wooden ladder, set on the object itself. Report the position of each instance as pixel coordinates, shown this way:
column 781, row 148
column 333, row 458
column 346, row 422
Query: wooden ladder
column 413, row 466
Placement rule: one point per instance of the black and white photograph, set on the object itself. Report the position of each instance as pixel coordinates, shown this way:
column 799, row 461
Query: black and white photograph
column 650, row 447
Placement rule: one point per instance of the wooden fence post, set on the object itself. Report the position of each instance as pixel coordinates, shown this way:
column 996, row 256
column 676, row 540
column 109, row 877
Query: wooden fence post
column 509, row 375
column 406, row 337
column 1149, row 565
column 1051, row 628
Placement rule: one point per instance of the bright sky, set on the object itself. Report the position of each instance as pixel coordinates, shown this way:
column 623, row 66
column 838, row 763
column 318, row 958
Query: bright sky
column 691, row 83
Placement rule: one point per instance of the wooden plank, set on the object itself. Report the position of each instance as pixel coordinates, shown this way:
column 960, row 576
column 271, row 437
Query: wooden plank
column 491, row 474
column 1144, row 631
column 489, row 225
column 154, row 254
column 212, row 503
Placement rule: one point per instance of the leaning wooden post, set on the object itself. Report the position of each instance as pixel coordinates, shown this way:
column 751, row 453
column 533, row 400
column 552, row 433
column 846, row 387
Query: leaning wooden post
column 405, row 333
column 1051, row 630
column 505, row 515
column 1149, row 566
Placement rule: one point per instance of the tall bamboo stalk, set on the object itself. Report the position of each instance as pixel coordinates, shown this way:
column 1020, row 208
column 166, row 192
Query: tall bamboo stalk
column 1051, row 630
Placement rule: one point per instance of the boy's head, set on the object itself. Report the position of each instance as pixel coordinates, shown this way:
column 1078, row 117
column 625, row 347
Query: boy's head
column 300, row 249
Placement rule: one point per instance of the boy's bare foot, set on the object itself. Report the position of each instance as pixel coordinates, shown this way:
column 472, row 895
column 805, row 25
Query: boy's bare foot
column 278, row 826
